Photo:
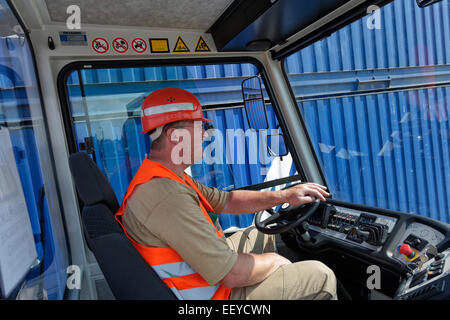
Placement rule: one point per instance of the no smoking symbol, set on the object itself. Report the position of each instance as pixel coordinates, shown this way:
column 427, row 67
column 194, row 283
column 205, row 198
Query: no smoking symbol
column 139, row 45
column 120, row 45
column 100, row 45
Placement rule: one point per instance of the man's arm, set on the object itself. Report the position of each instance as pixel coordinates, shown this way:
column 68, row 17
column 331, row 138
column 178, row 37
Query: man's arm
column 250, row 269
column 245, row 201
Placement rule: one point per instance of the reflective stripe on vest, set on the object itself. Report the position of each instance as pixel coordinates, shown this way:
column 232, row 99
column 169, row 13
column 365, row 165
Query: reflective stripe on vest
column 177, row 274
column 183, row 271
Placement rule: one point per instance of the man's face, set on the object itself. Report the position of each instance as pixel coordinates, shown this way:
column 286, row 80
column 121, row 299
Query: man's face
column 189, row 139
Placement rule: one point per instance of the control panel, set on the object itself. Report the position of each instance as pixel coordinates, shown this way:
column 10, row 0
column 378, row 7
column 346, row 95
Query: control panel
column 425, row 271
column 417, row 240
column 358, row 227
column 428, row 281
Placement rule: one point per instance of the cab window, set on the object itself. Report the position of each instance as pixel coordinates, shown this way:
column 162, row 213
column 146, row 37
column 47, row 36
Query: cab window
column 375, row 97
column 105, row 108
column 30, row 213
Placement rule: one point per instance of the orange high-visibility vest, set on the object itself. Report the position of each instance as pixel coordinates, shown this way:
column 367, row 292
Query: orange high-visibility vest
column 184, row 282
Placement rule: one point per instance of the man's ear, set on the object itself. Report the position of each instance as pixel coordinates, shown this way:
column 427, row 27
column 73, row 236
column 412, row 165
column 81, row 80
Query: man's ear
column 172, row 135
column 177, row 135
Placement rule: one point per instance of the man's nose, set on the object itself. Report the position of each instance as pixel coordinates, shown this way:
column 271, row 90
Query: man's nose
column 205, row 127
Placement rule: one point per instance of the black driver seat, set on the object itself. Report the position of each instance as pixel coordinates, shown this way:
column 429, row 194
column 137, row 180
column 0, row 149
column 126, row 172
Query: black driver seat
column 127, row 273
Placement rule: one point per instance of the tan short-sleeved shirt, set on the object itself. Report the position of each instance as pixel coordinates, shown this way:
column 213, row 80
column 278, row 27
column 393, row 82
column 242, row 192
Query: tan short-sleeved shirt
column 166, row 213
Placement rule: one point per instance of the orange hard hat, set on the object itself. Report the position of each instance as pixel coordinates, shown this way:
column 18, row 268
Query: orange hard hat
column 168, row 105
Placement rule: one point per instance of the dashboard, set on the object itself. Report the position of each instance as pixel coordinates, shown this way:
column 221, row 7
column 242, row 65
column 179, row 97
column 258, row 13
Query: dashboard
column 364, row 229
column 415, row 247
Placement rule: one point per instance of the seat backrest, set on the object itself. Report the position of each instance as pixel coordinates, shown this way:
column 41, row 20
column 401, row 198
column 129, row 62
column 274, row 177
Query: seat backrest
column 127, row 273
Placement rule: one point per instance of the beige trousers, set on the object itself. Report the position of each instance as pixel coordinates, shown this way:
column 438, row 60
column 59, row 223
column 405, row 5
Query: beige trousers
column 305, row 280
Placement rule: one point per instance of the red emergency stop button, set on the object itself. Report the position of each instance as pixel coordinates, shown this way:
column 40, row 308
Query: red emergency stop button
column 406, row 250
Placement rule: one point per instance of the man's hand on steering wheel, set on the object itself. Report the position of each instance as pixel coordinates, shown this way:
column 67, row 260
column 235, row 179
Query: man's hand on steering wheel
column 301, row 201
column 305, row 193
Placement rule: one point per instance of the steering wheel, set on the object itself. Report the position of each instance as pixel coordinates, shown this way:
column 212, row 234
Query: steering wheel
column 286, row 218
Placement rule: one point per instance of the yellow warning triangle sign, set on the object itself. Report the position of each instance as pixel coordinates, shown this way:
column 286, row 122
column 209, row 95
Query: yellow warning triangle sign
column 180, row 46
column 202, row 46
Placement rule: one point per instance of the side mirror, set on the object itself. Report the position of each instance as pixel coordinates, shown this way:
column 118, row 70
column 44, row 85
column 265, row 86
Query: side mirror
column 255, row 107
column 276, row 146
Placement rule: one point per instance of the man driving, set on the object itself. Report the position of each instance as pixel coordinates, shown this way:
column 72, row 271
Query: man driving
column 165, row 215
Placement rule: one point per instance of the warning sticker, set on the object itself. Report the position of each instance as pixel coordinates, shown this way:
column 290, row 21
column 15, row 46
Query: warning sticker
column 120, row 45
column 100, row 45
column 180, row 46
column 202, row 46
column 159, row 45
column 139, row 45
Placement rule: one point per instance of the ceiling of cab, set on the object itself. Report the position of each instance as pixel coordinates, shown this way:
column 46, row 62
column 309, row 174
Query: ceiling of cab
column 173, row 14
column 284, row 26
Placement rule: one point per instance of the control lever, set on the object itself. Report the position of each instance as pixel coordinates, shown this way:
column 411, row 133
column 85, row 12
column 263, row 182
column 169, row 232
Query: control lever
column 303, row 230
column 431, row 251
column 377, row 233
column 363, row 235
